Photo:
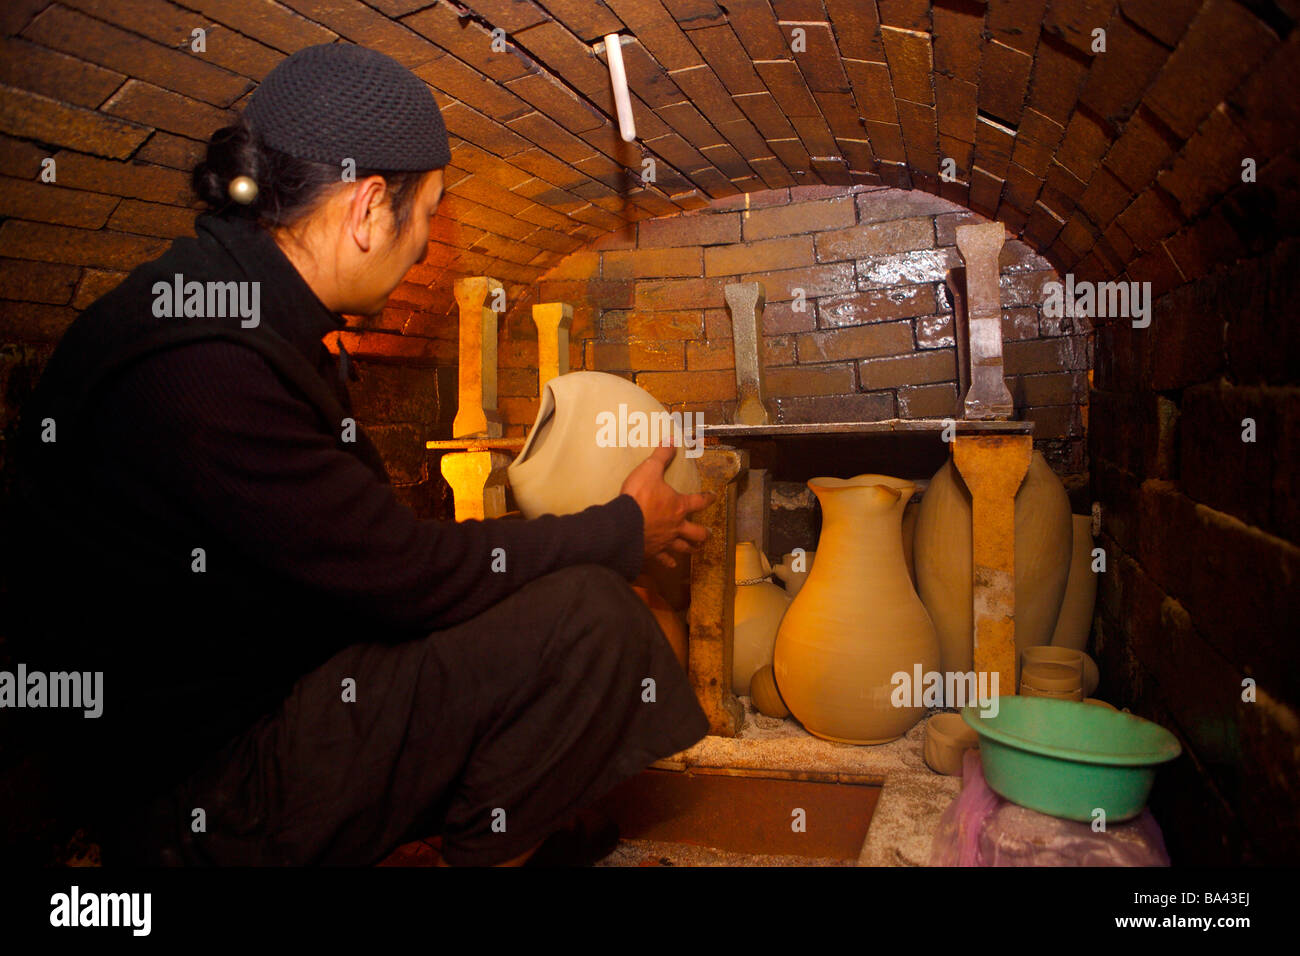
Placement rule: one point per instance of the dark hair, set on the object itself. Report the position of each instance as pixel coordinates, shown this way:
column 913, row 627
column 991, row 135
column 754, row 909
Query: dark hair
column 288, row 188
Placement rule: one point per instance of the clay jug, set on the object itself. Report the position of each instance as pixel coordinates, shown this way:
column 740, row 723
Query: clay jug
column 793, row 571
column 592, row 429
column 1074, row 624
column 943, row 559
column 760, row 605
column 857, row 621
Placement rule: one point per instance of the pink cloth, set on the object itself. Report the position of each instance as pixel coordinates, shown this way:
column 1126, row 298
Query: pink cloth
column 981, row 828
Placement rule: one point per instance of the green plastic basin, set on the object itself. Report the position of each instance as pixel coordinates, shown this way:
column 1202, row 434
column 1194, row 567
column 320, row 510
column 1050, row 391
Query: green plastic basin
column 1068, row 759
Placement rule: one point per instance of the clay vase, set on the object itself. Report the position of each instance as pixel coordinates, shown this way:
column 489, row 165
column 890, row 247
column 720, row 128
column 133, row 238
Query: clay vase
column 857, row 621
column 787, row 574
column 943, row 559
column 760, row 605
column 670, row 621
column 591, row 430
column 909, row 537
column 1074, row 623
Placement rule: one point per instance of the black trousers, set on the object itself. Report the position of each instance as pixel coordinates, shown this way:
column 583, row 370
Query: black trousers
column 493, row 733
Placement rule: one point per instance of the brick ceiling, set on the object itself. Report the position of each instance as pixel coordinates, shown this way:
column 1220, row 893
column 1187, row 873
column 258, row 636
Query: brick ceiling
column 1093, row 157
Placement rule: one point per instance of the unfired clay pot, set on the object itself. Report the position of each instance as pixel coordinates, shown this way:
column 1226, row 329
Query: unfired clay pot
column 760, row 605
column 568, row 464
column 947, row 738
column 670, row 622
column 763, row 692
column 793, row 571
column 943, row 559
column 857, row 621
column 1065, row 655
column 1074, row 623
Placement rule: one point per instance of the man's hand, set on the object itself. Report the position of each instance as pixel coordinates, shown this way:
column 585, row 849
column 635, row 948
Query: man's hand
column 664, row 510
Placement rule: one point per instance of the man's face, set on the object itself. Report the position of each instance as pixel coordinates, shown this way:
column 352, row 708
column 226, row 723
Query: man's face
column 392, row 255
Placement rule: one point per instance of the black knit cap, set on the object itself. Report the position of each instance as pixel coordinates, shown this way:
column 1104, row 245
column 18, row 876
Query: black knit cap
column 337, row 101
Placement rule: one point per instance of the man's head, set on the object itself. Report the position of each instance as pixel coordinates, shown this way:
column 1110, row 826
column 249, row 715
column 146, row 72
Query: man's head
column 346, row 147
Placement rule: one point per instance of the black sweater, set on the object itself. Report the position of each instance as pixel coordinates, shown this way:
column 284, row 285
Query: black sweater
column 176, row 434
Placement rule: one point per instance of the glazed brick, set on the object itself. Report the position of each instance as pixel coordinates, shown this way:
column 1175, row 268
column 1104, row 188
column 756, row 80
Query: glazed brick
column 1054, row 85
column 1021, row 191
column 876, row 239
column 1036, row 141
column 921, row 368
column 1270, row 128
column 779, row 318
column 857, row 25
column 820, row 60
column 701, row 386
column 671, row 294
column 46, row 282
column 1105, row 198
column 1232, row 559
column 1045, row 355
column 1074, row 20
column 927, row 401
column 55, row 75
column 1054, row 421
column 799, row 218
column 1054, row 388
column 664, row 325
column 888, row 338
column 935, row 332
column 945, row 226
column 47, row 202
column 887, row 141
column 872, row 89
column 721, row 353
column 810, row 380
column 911, row 63
column 639, row 264
column 90, row 39
column 907, row 268
column 745, row 257
column 1210, row 163
column 177, row 152
column 33, row 116
column 888, row 204
column 1246, row 479
column 1016, row 22
column 1020, row 323
column 698, row 230
column 828, row 279
column 45, row 243
column 907, row 14
column 152, row 219
column 153, row 106
column 271, row 23
column 920, row 136
column 985, row 191
column 1121, row 74
column 1085, row 142
column 1224, row 42
column 957, row 42
column 876, row 305
column 1140, row 150
column 798, row 409
column 956, row 105
column 1151, row 216
column 636, row 354
column 1004, row 79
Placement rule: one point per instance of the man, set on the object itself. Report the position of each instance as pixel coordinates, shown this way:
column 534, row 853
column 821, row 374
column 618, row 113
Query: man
column 295, row 668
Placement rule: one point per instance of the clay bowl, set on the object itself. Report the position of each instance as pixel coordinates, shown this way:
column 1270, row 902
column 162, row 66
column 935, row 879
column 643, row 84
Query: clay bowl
column 947, row 738
column 1052, row 678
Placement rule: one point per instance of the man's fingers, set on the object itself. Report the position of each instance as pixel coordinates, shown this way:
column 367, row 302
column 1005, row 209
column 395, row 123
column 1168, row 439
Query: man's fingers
column 662, row 455
column 699, row 501
column 693, row 532
column 666, row 560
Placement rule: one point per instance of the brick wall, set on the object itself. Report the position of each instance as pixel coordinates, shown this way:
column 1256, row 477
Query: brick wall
column 1201, row 529
column 872, row 340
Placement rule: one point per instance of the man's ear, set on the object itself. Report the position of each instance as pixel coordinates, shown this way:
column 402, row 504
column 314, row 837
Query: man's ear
column 362, row 214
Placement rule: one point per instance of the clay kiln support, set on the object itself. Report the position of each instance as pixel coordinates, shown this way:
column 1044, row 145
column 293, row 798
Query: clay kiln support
column 478, row 483
column 987, row 397
column 553, row 320
column 746, row 299
column 713, row 593
column 476, row 413
column 993, row 467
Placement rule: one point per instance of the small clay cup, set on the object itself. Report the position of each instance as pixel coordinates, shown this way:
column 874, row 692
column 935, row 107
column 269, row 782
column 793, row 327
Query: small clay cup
column 947, row 738
column 1052, row 677
column 1047, row 654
